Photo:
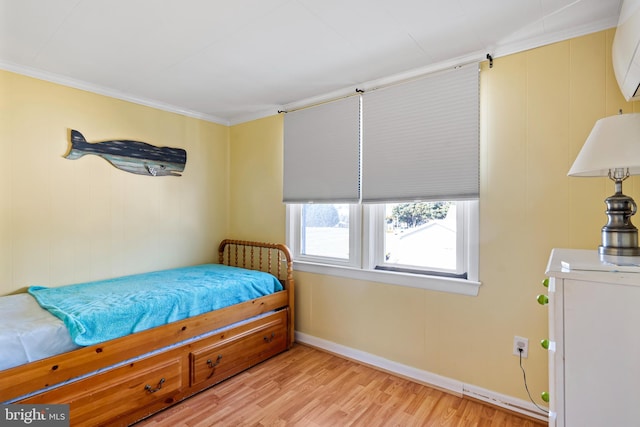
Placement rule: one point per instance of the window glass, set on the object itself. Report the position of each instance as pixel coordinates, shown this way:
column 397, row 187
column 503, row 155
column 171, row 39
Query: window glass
column 420, row 235
column 325, row 230
column 426, row 245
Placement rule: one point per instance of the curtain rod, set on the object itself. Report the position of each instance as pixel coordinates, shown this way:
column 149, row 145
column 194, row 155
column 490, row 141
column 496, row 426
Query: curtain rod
column 379, row 84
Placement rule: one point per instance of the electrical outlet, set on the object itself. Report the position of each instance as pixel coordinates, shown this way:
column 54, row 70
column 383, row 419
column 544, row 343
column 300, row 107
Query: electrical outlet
column 520, row 343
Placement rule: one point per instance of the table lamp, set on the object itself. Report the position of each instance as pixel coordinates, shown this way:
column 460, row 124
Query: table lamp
column 613, row 149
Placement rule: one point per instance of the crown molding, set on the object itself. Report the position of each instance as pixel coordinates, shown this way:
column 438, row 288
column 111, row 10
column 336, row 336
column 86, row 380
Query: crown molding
column 102, row 90
column 547, row 39
column 496, row 52
column 478, row 56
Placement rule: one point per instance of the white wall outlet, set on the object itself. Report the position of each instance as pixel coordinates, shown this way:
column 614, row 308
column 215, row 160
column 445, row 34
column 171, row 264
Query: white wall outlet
column 520, row 343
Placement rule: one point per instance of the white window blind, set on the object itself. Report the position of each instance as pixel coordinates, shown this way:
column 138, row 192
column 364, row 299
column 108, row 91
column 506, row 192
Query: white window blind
column 322, row 153
column 421, row 139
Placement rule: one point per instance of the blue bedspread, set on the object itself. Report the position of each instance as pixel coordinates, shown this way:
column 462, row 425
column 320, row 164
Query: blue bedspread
column 99, row 311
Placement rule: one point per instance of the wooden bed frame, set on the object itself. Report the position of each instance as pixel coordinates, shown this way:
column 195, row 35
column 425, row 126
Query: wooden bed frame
column 121, row 381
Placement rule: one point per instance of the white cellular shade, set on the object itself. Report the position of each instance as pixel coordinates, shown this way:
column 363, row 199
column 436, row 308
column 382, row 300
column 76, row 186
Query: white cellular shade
column 421, row 139
column 322, row 153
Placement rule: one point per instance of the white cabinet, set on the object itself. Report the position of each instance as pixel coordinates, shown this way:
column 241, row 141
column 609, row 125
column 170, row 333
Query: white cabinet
column 594, row 329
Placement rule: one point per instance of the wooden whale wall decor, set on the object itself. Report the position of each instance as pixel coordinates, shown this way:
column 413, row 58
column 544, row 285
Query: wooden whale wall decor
column 131, row 156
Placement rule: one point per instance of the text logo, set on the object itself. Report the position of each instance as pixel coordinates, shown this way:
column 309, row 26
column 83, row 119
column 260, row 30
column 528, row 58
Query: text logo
column 34, row 415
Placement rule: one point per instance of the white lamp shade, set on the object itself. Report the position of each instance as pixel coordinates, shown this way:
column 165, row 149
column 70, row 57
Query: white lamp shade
column 614, row 142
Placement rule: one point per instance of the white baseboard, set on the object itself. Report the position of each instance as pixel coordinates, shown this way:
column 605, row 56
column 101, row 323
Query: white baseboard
column 507, row 402
column 450, row 385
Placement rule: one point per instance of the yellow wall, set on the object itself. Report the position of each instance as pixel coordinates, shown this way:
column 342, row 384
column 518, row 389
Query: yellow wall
column 537, row 108
column 256, row 208
column 64, row 221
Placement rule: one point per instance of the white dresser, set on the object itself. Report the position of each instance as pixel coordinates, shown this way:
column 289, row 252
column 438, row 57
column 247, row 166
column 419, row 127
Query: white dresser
column 594, row 340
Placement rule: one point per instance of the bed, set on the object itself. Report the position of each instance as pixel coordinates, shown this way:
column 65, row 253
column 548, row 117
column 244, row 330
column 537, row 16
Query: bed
column 119, row 374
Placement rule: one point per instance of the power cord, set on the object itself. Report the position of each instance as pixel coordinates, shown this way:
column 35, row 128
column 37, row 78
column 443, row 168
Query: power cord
column 524, row 375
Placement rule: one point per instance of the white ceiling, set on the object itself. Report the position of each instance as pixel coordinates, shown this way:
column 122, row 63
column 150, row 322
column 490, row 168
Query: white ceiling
column 236, row 60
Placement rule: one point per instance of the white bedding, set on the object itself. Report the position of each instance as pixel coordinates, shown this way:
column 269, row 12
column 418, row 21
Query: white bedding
column 28, row 332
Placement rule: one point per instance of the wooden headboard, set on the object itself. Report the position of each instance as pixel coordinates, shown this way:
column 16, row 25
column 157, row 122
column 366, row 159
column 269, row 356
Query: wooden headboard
column 272, row 258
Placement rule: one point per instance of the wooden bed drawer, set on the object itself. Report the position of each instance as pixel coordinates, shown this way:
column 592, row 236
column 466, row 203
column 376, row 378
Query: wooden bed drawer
column 218, row 359
column 94, row 401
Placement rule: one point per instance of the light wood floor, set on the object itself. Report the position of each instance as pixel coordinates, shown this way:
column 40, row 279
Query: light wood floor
column 308, row 387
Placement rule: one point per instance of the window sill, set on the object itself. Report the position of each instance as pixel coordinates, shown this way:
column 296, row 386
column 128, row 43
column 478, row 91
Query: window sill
column 432, row 283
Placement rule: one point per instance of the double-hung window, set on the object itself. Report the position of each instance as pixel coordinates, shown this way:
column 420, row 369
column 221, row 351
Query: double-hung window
column 384, row 185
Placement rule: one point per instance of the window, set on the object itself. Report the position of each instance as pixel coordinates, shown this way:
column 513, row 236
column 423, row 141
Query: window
column 324, row 231
column 420, row 238
column 428, row 245
column 383, row 185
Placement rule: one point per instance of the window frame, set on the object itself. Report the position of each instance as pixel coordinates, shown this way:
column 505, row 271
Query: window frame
column 294, row 224
column 377, row 261
column 366, row 242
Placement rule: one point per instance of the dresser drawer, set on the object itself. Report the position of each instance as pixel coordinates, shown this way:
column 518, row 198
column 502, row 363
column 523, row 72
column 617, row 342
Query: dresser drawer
column 217, row 359
column 96, row 400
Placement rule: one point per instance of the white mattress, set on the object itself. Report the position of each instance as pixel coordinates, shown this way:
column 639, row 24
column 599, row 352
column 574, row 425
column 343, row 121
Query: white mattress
column 28, row 332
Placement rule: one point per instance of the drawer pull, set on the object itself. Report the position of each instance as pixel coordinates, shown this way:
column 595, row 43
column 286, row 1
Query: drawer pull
column 542, row 299
column 153, row 390
column 213, row 365
column 269, row 339
column 548, row 345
